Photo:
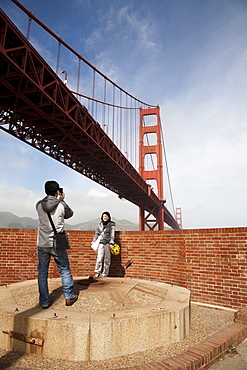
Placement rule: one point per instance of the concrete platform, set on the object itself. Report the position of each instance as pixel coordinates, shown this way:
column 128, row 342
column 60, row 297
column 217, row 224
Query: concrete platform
column 112, row 317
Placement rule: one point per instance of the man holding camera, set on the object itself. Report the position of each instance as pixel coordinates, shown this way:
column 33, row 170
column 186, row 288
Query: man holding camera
column 59, row 210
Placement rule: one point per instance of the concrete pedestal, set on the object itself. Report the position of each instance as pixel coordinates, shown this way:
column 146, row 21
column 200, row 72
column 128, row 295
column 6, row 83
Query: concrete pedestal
column 112, row 317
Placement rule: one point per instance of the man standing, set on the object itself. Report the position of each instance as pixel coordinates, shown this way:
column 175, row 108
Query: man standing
column 59, row 210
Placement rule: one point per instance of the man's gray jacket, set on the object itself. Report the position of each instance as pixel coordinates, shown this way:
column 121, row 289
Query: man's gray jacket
column 59, row 211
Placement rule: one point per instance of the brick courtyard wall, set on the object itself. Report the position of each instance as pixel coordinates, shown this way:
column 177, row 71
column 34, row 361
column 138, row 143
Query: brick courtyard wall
column 211, row 263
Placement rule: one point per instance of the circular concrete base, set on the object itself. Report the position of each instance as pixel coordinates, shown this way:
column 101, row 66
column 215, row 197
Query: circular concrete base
column 112, row 317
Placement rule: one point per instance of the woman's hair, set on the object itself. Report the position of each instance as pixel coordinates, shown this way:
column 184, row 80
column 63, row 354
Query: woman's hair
column 106, row 213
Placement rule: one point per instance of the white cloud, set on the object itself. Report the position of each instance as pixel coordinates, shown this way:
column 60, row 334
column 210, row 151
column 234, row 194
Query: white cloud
column 90, row 205
column 86, row 206
column 18, row 200
column 94, row 39
column 93, row 193
column 107, row 66
column 206, row 135
column 138, row 28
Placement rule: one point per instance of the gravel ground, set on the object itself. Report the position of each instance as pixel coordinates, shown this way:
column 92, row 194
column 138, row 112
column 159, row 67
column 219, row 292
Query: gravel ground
column 204, row 323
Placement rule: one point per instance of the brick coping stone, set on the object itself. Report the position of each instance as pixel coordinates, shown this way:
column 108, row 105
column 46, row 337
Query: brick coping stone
column 205, row 354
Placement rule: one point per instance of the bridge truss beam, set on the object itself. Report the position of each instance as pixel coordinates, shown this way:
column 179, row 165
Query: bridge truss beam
column 37, row 108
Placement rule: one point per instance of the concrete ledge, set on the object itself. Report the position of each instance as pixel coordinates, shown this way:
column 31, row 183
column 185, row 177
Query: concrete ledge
column 147, row 314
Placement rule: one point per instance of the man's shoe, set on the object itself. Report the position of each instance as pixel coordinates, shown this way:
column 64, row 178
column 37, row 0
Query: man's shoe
column 97, row 275
column 45, row 305
column 70, row 301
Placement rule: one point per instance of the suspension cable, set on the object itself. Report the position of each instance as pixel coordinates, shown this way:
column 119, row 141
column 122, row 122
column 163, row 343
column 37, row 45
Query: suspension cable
column 102, row 102
column 168, row 176
column 61, row 41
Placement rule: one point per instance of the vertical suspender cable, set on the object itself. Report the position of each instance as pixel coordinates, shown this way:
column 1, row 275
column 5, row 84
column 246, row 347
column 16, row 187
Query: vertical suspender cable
column 168, row 176
column 113, row 102
column 103, row 120
column 93, row 90
column 29, row 27
column 126, row 120
column 58, row 56
column 78, row 75
column 130, row 136
column 121, row 111
column 136, row 142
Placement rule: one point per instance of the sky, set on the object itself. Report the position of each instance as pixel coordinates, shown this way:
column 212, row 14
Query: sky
column 187, row 56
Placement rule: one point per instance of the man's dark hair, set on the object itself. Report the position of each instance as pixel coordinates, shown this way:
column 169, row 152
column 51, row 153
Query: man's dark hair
column 51, row 187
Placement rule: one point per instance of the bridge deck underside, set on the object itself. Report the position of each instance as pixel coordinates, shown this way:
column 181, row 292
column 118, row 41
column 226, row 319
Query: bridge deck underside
column 37, row 108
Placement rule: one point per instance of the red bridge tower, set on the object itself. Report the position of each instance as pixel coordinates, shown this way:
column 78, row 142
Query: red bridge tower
column 150, row 146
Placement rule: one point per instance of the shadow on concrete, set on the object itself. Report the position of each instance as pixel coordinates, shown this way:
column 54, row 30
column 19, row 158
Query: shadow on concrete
column 14, row 354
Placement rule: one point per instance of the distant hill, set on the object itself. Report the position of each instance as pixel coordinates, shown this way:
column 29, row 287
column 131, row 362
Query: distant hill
column 10, row 221
column 121, row 225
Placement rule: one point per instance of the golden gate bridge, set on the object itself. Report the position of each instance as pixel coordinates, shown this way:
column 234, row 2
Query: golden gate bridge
column 38, row 106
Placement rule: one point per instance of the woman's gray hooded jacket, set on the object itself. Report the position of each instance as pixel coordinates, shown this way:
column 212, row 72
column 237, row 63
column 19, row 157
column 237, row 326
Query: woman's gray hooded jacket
column 109, row 232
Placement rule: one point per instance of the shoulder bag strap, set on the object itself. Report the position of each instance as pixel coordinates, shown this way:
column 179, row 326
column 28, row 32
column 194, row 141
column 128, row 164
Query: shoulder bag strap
column 52, row 224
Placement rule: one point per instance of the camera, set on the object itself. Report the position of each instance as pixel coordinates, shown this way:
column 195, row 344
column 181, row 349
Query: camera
column 60, row 190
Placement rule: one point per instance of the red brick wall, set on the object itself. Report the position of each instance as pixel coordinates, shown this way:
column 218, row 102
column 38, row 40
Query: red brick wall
column 211, row 263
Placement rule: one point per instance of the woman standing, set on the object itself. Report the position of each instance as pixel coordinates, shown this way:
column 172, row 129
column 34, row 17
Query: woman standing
column 106, row 228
